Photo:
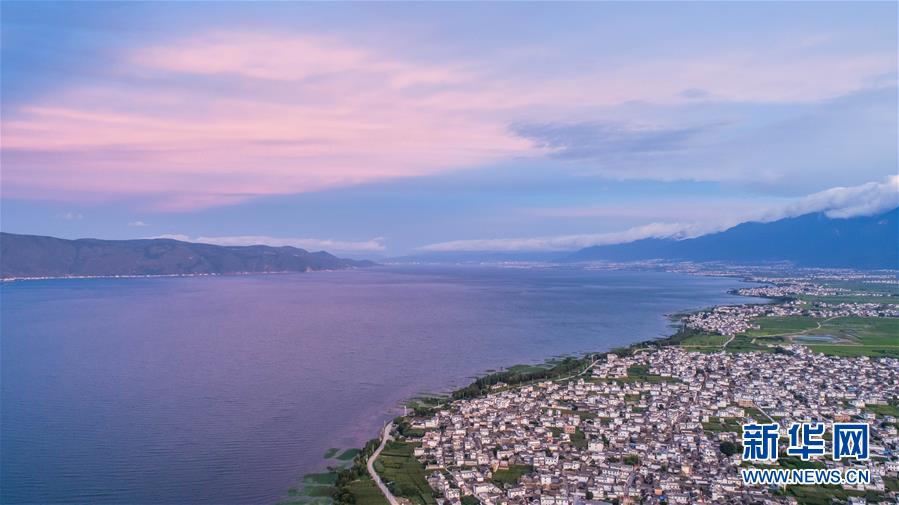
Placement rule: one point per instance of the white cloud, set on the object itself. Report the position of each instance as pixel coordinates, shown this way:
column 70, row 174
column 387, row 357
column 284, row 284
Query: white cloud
column 70, row 216
column 312, row 244
column 173, row 236
column 652, row 208
column 841, row 202
column 137, row 224
column 572, row 242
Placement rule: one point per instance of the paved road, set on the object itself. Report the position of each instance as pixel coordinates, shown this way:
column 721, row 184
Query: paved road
column 582, row 372
column 385, row 437
column 763, row 412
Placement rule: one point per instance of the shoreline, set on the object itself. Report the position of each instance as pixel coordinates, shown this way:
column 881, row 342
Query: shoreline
column 518, row 375
column 336, row 477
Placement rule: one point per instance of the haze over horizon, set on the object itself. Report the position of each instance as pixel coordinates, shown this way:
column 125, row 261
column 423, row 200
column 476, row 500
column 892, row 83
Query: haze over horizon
column 376, row 130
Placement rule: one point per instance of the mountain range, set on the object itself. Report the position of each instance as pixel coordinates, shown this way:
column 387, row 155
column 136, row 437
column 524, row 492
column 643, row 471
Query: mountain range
column 810, row 240
column 38, row 256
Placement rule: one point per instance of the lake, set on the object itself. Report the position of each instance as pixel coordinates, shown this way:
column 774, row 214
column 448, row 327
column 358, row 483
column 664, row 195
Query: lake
column 226, row 390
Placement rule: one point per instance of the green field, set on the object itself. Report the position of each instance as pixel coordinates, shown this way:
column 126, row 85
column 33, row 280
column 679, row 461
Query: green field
column 718, row 424
column 851, row 299
column 891, row 409
column 403, row 474
column 782, row 326
column 366, row 492
column 640, row 373
column 511, row 475
column 891, row 483
column 890, row 293
column 862, row 336
column 704, row 340
column 743, row 343
column 854, row 351
column 864, row 330
column 825, row 495
column 854, row 336
column 579, row 439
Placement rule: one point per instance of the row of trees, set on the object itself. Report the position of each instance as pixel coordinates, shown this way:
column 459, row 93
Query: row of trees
column 513, row 377
column 342, row 494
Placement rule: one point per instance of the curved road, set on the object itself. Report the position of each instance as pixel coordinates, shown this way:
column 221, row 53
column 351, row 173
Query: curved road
column 582, row 372
column 385, row 437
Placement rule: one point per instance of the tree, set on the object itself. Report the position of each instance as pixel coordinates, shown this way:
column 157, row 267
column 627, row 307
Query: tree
column 728, row 448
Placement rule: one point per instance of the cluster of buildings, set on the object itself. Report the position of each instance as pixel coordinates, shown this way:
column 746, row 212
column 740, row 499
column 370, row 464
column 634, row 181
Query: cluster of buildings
column 845, row 309
column 726, row 319
column 791, row 289
column 652, row 427
column 734, row 319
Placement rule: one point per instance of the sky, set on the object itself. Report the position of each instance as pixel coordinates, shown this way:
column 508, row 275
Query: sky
column 384, row 129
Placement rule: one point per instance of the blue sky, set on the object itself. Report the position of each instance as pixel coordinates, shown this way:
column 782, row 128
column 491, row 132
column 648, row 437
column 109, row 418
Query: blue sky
column 380, row 129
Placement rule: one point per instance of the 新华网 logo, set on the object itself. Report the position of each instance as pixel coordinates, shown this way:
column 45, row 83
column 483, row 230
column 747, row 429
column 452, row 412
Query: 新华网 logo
column 806, row 441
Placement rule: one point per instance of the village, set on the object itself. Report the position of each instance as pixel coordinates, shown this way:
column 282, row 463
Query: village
column 661, row 425
column 733, row 319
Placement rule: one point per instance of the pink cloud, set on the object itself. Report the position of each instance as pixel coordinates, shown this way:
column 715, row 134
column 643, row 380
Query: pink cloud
column 288, row 57
column 222, row 117
column 200, row 149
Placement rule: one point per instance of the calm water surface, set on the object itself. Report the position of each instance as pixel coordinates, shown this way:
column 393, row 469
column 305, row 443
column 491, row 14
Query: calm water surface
column 225, row 390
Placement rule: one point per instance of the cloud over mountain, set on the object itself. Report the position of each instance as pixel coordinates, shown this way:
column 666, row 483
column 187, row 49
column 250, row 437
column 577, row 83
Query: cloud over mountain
column 864, row 200
column 841, row 202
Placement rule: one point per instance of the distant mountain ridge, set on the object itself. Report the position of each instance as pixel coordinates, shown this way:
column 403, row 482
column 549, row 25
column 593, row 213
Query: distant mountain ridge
column 810, row 240
column 39, row 256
